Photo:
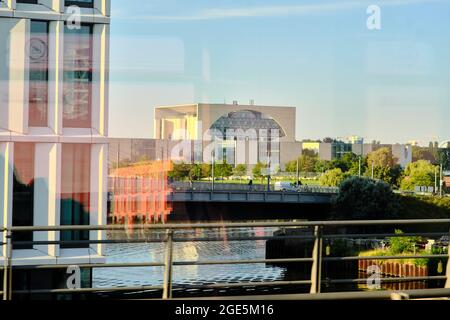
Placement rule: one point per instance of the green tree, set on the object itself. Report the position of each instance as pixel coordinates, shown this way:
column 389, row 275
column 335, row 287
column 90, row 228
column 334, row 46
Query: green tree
column 444, row 158
column 223, row 170
column 240, row 170
column 181, row 171
column 346, row 162
column 400, row 245
column 258, row 170
column 418, row 174
column 332, row 178
column 381, row 158
column 322, row 166
column 384, row 166
column 195, row 173
column 363, row 198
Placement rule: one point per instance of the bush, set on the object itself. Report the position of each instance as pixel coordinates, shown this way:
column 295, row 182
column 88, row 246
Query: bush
column 363, row 198
column 332, row 178
column 400, row 245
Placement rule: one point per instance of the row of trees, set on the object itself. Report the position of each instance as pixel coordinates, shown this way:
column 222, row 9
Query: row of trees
column 182, row 171
column 380, row 165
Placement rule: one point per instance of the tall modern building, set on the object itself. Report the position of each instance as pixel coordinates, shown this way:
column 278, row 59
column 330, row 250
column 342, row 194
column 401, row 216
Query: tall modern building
column 53, row 127
column 239, row 134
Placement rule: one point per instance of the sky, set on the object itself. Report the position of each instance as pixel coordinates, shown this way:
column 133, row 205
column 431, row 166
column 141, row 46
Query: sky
column 319, row 56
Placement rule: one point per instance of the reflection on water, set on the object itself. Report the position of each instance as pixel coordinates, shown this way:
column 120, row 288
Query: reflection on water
column 189, row 251
column 225, row 249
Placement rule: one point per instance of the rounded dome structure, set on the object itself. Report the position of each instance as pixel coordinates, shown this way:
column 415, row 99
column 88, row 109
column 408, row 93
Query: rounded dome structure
column 247, row 120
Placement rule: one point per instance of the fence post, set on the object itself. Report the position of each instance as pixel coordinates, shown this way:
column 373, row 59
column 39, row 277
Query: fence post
column 447, row 283
column 167, row 290
column 7, row 268
column 316, row 271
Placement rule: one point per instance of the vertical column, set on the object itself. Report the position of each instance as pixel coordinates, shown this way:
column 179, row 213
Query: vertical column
column 104, row 6
column 100, row 57
column 18, row 76
column 55, row 75
column 47, row 188
column 6, row 186
column 11, row 4
column 99, row 172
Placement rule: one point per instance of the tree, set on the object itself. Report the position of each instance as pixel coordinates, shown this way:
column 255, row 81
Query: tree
column 240, row 170
column 258, row 170
column 322, row 166
column 401, row 244
column 346, row 162
column 306, row 162
column 332, row 178
column 381, row 158
column 444, row 158
column 384, row 166
column 223, row 170
column 180, row 171
column 363, row 198
column 419, row 174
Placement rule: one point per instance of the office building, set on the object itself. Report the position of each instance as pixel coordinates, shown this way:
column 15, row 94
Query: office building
column 53, row 128
column 237, row 134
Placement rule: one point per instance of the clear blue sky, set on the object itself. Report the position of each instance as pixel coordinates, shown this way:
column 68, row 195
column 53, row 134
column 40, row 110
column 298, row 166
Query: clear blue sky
column 391, row 84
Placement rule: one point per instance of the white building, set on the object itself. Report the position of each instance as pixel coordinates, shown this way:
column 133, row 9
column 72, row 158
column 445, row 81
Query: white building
column 53, row 124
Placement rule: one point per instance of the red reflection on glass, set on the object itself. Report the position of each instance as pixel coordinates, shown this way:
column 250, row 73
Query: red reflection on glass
column 138, row 193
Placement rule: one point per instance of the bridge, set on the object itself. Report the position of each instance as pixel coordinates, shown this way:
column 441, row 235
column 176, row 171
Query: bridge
column 249, row 196
column 238, row 205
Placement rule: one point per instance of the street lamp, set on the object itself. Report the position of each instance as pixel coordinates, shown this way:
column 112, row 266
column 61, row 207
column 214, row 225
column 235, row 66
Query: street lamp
column 213, row 165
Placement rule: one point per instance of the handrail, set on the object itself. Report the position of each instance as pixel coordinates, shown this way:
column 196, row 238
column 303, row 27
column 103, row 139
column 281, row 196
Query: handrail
column 221, row 225
column 169, row 239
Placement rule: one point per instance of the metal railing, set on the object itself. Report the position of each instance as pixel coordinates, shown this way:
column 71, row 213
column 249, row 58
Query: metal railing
column 170, row 238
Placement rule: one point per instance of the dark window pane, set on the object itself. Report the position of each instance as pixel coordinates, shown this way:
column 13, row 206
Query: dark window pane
column 80, row 3
column 75, row 188
column 23, row 192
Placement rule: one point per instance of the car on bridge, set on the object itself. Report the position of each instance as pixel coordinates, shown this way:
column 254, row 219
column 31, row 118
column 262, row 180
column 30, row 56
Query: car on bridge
column 285, row 186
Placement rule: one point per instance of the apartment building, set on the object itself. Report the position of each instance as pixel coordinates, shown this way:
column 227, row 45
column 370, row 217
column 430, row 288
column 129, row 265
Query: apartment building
column 53, row 127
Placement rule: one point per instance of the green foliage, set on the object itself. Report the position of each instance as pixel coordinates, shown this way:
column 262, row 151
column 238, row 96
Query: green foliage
column 181, row 171
column 362, row 198
column 332, row 178
column 223, row 170
column 384, row 167
column 403, row 245
column 240, row 170
column 417, row 174
column 444, row 158
column 414, row 207
column 307, row 162
column 258, row 170
column 381, row 158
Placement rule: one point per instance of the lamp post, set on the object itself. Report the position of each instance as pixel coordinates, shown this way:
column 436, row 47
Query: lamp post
column 373, row 173
column 435, row 180
column 213, row 165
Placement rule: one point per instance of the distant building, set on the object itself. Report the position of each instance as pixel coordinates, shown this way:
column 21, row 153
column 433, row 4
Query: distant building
column 237, row 134
column 328, row 150
column 447, row 179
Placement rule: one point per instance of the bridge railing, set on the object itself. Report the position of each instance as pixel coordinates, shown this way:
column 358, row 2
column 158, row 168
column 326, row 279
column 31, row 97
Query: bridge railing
column 172, row 235
column 207, row 186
